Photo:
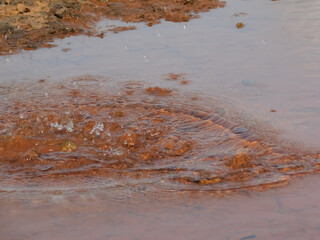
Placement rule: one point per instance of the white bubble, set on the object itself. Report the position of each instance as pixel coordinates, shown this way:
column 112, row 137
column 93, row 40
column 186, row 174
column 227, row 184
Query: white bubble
column 57, row 126
column 97, row 128
column 69, row 127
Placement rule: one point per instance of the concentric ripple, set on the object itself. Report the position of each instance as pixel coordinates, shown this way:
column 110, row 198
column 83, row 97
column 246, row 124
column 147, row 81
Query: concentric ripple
column 89, row 133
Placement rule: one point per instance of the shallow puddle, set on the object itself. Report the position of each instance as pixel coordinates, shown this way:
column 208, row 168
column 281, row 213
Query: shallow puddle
column 270, row 64
column 285, row 213
column 90, row 132
column 182, row 114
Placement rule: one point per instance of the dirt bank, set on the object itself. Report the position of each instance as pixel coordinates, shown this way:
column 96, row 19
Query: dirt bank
column 26, row 24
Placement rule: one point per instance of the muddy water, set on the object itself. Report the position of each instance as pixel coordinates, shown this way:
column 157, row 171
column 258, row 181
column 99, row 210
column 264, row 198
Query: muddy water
column 269, row 64
column 89, row 131
column 289, row 213
column 131, row 157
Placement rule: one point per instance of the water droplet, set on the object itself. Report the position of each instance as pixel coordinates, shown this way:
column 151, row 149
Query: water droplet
column 146, row 59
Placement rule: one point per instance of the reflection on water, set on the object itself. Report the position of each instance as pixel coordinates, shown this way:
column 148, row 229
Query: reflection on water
column 271, row 64
column 85, row 133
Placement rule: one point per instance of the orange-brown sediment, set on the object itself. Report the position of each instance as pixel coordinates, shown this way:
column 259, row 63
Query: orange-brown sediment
column 90, row 131
column 29, row 25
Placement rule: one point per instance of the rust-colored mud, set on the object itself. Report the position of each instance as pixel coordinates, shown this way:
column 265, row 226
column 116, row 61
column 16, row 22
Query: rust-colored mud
column 121, row 29
column 177, row 77
column 84, row 131
column 28, row 25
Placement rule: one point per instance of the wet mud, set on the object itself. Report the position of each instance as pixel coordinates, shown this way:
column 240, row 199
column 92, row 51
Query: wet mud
column 29, row 25
column 91, row 132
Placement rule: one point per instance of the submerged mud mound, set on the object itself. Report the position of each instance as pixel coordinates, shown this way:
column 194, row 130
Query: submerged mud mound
column 91, row 133
column 26, row 24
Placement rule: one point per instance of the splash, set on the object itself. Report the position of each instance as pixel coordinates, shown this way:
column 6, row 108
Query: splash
column 89, row 133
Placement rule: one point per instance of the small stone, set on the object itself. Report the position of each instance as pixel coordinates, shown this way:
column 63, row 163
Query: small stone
column 60, row 13
column 210, row 181
column 21, row 8
column 69, row 146
column 240, row 25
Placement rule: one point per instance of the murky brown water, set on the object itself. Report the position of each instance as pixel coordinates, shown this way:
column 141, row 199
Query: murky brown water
column 119, row 152
column 281, row 213
column 86, row 133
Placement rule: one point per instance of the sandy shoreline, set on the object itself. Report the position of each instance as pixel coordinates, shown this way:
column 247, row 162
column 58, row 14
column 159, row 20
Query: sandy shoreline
column 30, row 25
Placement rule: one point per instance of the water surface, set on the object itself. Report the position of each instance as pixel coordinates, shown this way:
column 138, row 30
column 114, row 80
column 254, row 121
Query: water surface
column 270, row 64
